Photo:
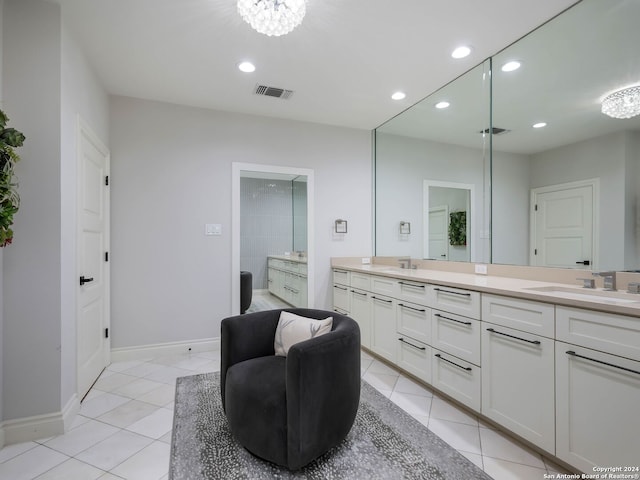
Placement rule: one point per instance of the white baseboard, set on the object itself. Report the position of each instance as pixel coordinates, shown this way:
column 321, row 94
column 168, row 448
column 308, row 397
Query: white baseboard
column 39, row 426
column 140, row 352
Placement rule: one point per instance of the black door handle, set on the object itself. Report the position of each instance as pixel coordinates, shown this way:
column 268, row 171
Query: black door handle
column 84, row 280
column 584, row 262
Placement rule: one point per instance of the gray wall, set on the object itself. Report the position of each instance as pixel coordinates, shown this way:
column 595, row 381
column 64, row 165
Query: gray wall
column 46, row 82
column 171, row 172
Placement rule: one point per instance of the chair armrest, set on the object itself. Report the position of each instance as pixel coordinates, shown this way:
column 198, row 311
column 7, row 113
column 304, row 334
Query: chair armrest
column 323, row 389
column 246, row 336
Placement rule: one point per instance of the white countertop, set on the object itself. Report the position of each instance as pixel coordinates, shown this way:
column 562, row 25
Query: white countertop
column 289, row 258
column 556, row 293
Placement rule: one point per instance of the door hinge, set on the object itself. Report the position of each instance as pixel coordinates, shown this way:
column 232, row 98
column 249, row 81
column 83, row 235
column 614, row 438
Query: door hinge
column 106, row 333
column 535, row 251
column 535, row 207
column 106, row 180
column 106, row 256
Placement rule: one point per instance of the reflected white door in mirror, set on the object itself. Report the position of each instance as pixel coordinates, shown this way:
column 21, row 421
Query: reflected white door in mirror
column 449, row 221
column 564, row 223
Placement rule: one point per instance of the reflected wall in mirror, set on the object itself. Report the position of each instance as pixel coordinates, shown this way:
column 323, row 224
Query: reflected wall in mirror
column 567, row 67
column 447, row 221
column 446, row 145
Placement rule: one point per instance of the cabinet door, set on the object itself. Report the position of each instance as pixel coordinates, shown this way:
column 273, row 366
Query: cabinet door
column 518, row 383
column 414, row 321
column 457, row 378
column 361, row 313
column 383, row 333
column 455, row 300
column 341, row 298
column 457, row 335
column 414, row 357
column 597, row 408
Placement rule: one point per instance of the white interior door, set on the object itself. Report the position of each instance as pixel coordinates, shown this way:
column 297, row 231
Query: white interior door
column 93, row 346
column 563, row 226
column 439, row 232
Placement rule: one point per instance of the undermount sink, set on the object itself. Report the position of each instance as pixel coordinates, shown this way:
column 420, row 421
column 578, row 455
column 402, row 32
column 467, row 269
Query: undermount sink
column 602, row 296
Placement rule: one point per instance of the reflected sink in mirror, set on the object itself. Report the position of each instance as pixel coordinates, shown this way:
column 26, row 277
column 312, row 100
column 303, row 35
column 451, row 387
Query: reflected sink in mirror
column 602, row 296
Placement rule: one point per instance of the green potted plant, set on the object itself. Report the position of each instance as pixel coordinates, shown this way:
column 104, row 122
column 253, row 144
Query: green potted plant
column 10, row 138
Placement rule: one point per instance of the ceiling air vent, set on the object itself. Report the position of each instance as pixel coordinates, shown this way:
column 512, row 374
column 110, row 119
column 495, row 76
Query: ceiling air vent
column 273, row 92
column 495, row 131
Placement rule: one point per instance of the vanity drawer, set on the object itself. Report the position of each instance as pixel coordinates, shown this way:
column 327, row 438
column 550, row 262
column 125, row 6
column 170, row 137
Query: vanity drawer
column 456, row 378
column 341, row 298
column 455, row 300
column 606, row 332
column 302, row 268
column 341, row 277
column 414, row 321
column 414, row 292
column 276, row 263
column 361, row 281
column 385, row 286
column 526, row 315
column 414, row 357
column 457, row 335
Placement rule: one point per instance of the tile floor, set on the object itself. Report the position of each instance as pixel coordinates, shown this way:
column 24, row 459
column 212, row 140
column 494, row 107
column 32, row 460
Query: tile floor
column 123, row 430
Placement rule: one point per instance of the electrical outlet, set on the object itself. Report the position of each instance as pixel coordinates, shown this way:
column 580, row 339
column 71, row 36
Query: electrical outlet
column 366, row 261
column 481, row 269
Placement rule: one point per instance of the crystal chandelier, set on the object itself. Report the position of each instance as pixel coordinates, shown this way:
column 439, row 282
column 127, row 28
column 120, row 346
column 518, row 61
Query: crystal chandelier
column 272, row 17
column 624, row 103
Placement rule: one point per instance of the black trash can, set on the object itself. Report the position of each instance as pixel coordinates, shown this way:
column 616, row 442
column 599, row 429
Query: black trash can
column 246, row 290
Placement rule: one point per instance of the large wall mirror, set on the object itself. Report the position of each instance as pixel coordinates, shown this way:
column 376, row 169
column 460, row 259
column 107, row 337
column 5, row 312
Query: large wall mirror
column 564, row 184
column 438, row 143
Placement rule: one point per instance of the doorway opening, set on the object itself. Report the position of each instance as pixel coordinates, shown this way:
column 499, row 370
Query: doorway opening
column 272, row 237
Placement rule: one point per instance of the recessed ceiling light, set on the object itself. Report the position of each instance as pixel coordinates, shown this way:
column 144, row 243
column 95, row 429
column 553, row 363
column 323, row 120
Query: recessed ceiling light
column 398, row 95
column 510, row 66
column 540, row 125
column 246, row 67
column 442, row 104
column 461, row 52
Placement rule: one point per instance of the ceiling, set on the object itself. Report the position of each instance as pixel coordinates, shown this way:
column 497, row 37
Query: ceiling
column 343, row 63
column 568, row 66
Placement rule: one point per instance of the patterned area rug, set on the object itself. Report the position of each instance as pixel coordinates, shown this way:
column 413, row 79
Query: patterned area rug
column 384, row 443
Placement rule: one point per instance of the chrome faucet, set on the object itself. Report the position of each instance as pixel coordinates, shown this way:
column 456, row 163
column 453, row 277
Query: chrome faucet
column 406, row 263
column 609, row 279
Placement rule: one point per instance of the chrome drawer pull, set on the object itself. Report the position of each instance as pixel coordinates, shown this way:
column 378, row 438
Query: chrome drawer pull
column 382, row 299
column 340, row 288
column 468, row 369
column 359, row 293
column 449, row 291
column 411, row 285
column 411, row 308
column 452, row 319
column 535, row 342
column 340, row 271
column 574, row 354
column 414, row 346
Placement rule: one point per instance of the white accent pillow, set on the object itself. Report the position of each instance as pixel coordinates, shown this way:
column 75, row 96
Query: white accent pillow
column 293, row 329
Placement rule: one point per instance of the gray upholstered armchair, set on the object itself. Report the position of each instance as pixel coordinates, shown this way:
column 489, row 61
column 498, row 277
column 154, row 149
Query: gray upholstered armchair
column 289, row 410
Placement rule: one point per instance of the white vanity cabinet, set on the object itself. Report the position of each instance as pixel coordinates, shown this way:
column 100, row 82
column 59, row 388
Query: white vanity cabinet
column 413, row 327
column 597, row 393
column 383, row 326
column 341, row 297
column 360, row 304
column 455, row 337
column 288, row 280
column 518, row 384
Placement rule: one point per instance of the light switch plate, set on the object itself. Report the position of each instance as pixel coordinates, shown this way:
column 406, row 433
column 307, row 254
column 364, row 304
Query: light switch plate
column 213, row 229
